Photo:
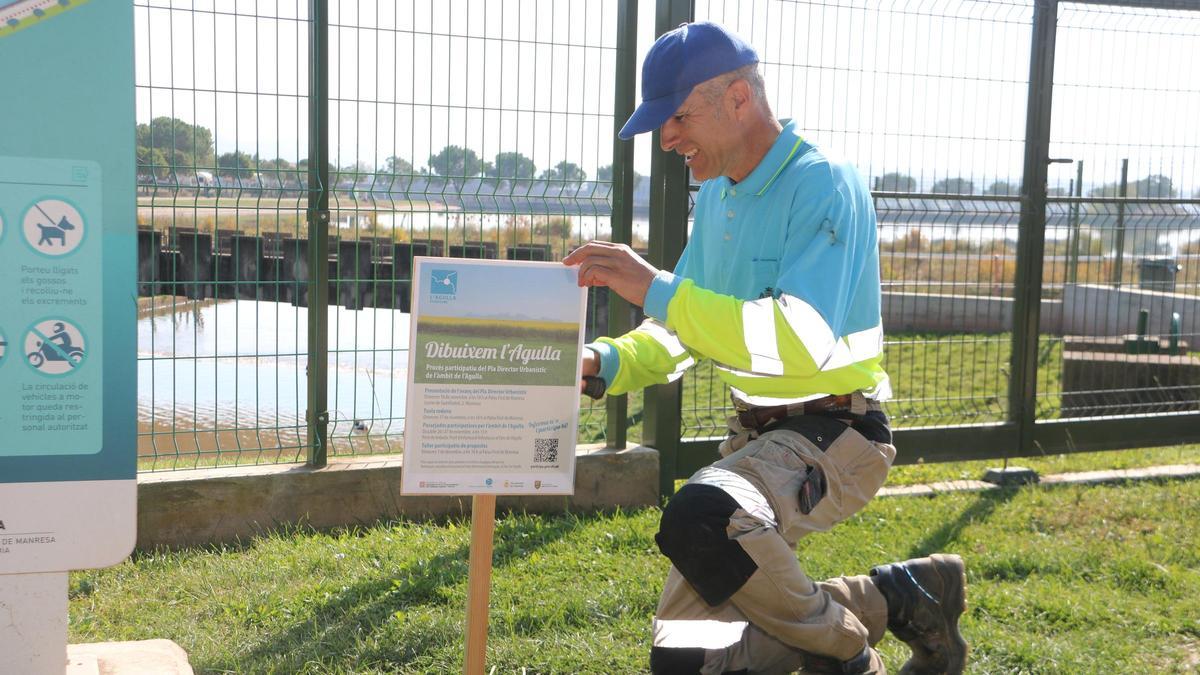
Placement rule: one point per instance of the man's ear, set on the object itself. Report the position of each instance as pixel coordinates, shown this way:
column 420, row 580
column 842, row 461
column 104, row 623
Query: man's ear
column 737, row 96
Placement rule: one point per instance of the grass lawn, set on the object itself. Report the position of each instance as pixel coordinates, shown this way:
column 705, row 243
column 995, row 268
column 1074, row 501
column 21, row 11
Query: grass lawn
column 915, row 474
column 1068, row 579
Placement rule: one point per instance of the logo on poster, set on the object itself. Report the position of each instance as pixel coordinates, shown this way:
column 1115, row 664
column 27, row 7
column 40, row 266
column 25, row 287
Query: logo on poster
column 488, row 482
column 537, row 485
column 443, row 284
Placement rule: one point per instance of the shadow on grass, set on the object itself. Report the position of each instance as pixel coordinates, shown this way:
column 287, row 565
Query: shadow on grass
column 940, row 539
column 333, row 631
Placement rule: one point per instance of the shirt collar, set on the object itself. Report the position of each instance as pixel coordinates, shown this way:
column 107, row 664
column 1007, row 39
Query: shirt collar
column 782, row 151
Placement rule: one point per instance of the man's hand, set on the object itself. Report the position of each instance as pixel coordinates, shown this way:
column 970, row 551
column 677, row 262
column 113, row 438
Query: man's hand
column 602, row 263
column 591, row 363
column 589, row 372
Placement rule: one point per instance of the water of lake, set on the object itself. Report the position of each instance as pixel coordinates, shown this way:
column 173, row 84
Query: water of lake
column 242, row 362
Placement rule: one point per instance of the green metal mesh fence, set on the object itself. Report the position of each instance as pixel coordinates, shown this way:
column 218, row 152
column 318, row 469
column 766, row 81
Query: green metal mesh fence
column 928, row 100
column 221, row 139
column 485, row 129
column 468, row 129
column 1123, row 226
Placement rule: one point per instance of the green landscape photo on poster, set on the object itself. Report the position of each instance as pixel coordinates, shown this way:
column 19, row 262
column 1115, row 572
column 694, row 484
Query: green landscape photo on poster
column 465, row 350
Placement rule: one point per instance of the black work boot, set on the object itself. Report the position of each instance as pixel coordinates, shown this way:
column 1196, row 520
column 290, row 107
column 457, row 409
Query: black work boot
column 925, row 597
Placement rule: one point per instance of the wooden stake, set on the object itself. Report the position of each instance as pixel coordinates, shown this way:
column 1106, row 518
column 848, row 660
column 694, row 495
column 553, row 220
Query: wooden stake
column 479, row 581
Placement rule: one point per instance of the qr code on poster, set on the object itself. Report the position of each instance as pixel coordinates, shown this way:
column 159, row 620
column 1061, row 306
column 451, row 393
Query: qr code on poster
column 545, row 450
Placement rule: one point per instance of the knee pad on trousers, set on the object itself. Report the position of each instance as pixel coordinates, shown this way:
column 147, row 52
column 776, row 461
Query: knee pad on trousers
column 680, row 661
column 676, row 661
column 693, row 535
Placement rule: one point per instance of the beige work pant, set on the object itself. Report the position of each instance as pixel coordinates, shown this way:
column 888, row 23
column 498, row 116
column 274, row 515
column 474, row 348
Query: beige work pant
column 773, row 613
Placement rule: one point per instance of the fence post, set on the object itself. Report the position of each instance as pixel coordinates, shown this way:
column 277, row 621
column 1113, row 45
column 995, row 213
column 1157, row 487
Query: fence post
column 1119, row 252
column 668, row 234
column 1031, row 239
column 617, row 407
column 317, row 413
column 1075, row 230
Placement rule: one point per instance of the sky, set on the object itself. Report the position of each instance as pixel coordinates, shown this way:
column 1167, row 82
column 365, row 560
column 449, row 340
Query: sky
column 930, row 88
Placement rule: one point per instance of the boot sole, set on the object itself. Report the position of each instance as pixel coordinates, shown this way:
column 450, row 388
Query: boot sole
column 951, row 569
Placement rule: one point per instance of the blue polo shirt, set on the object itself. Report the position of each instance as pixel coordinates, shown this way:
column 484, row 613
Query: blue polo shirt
column 800, row 230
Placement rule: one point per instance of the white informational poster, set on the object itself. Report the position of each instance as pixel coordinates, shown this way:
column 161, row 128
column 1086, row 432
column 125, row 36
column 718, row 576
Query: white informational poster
column 493, row 377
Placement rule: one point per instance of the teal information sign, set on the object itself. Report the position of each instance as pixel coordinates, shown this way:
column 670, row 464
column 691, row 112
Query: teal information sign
column 52, row 402
column 68, row 462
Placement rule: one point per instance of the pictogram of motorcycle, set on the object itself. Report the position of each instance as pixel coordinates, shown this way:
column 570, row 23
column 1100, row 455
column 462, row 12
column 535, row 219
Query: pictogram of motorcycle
column 49, row 352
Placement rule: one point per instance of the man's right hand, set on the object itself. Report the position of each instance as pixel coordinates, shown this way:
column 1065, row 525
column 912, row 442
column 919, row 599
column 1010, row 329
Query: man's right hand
column 603, row 263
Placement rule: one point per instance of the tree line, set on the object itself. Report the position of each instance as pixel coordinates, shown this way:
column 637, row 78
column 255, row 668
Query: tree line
column 166, row 145
column 1155, row 186
column 900, row 182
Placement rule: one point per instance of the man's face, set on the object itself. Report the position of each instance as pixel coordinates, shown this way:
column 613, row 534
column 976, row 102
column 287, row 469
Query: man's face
column 701, row 132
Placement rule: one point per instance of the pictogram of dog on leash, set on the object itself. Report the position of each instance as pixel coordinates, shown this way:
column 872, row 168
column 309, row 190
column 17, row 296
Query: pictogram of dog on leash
column 53, row 227
column 53, row 232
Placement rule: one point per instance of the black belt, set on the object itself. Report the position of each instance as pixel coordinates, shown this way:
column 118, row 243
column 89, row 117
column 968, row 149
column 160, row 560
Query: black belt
column 870, row 421
column 760, row 417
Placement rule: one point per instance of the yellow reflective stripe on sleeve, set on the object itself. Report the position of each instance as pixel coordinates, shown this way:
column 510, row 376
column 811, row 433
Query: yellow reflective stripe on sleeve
column 664, row 337
column 680, row 369
column 670, row 342
column 828, row 352
column 865, row 344
column 744, row 374
column 748, row 399
column 808, row 325
column 650, row 354
column 855, row 347
column 703, row 633
column 758, row 332
column 882, row 391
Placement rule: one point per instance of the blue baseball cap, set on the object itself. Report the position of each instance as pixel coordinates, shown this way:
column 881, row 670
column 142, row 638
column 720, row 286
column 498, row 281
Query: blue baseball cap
column 678, row 61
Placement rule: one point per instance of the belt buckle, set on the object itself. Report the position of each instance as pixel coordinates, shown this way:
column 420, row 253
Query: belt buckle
column 765, row 416
column 828, row 405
